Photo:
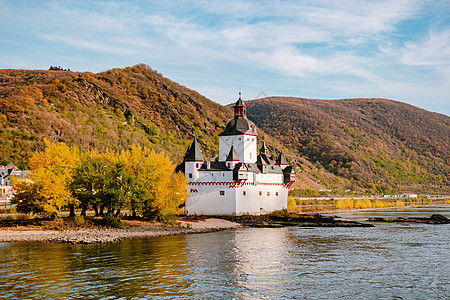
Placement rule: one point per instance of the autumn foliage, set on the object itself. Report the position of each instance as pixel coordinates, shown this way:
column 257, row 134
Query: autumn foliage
column 138, row 179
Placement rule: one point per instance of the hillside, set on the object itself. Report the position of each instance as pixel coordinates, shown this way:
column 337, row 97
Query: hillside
column 379, row 144
column 374, row 144
column 112, row 109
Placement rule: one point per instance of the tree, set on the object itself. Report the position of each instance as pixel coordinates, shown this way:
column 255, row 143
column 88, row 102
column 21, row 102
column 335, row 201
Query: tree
column 51, row 174
column 86, row 181
column 156, row 191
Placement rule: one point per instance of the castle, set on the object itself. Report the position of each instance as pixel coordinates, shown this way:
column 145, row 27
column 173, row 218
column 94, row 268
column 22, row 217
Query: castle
column 240, row 181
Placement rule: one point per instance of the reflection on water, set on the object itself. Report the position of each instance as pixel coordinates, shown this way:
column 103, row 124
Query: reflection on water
column 390, row 261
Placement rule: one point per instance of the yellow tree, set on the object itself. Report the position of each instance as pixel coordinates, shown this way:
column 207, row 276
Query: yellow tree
column 48, row 192
column 158, row 191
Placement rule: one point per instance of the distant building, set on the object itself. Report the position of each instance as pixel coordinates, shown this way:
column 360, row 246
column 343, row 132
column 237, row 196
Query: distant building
column 408, row 196
column 6, row 172
column 241, row 181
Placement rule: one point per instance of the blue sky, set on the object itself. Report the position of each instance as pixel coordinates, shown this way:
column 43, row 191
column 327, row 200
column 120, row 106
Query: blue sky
column 391, row 49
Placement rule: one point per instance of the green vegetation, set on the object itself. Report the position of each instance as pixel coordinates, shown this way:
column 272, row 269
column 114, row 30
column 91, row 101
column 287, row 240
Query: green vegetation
column 362, row 145
column 57, row 68
column 108, row 110
column 375, row 145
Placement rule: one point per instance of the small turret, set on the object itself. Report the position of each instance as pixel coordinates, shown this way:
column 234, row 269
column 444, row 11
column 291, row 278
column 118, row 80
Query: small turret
column 194, row 153
column 240, row 109
column 193, row 160
column 264, row 149
column 281, row 160
column 232, row 158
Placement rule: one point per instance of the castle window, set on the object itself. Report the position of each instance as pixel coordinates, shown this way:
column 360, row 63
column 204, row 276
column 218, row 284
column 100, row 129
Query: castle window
column 222, row 193
column 229, row 165
column 276, row 194
column 250, row 155
column 223, row 174
column 260, row 193
column 196, row 165
column 268, row 193
column 244, row 193
column 239, row 138
column 190, row 175
column 248, row 139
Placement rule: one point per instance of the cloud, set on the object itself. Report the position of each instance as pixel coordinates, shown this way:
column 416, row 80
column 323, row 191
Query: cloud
column 373, row 48
column 88, row 44
column 434, row 51
column 291, row 38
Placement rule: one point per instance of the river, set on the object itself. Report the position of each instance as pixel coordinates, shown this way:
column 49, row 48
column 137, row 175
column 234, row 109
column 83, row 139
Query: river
column 389, row 261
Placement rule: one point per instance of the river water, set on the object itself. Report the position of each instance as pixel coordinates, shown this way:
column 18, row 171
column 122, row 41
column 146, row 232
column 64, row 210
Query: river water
column 389, row 261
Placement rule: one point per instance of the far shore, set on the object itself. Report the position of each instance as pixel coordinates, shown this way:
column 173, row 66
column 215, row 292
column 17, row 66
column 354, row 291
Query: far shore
column 345, row 210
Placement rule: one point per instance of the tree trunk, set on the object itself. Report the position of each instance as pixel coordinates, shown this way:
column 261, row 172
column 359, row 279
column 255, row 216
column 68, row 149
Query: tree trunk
column 83, row 210
column 133, row 210
column 72, row 210
column 117, row 213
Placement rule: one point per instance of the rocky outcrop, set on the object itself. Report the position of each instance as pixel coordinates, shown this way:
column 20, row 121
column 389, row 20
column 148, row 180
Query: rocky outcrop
column 280, row 220
column 434, row 219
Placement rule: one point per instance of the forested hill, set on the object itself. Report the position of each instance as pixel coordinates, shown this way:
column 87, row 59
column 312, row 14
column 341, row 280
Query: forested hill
column 376, row 143
column 112, row 109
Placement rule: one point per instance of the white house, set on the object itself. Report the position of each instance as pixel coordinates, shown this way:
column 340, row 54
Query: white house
column 241, row 181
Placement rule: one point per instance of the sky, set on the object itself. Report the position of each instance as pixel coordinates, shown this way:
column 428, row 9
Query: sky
column 398, row 50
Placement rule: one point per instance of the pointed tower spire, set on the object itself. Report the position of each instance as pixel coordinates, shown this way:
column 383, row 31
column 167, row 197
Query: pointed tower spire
column 281, row 160
column 240, row 109
column 194, row 153
column 232, row 155
column 264, row 149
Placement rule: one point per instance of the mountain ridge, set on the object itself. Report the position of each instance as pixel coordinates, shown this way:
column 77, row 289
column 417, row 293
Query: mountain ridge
column 335, row 144
column 375, row 141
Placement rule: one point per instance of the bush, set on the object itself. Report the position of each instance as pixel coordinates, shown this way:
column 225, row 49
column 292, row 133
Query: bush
column 280, row 213
column 167, row 218
column 292, row 204
column 79, row 220
column 111, row 221
column 399, row 203
column 340, row 203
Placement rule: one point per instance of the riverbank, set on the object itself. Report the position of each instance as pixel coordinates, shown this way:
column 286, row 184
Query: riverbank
column 111, row 235
column 387, row 208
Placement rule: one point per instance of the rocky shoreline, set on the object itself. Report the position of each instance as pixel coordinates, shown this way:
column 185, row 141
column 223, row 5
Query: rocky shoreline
column 110, row 235
column 217, row 223
column 434, row 219
column 299, row 220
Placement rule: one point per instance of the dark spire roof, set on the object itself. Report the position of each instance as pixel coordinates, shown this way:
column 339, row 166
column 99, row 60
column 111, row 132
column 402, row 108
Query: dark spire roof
column 232, row 155
column 240, row 102
column 193, row 152
column 264, row 148
column 240, row 125
column 281, row 159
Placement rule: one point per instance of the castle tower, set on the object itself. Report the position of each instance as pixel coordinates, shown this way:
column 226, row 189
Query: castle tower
column 193, row 160
column 241, row 133
column 282, row 161
column 264, row 149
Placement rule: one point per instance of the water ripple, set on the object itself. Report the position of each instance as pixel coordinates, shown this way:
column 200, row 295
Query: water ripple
column 390, row 261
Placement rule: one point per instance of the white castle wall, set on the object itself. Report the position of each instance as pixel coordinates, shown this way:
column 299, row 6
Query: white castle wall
column 205, row 197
